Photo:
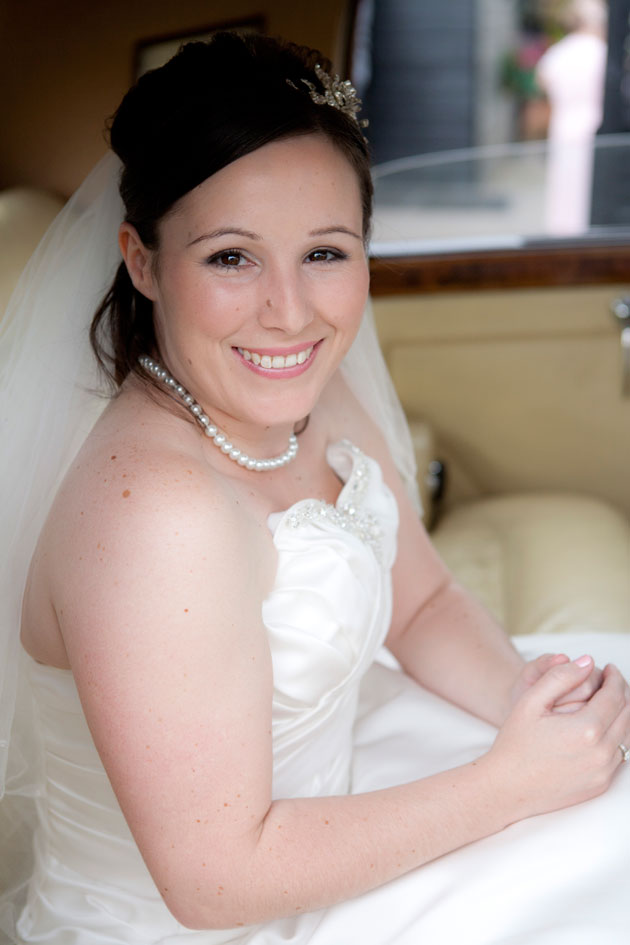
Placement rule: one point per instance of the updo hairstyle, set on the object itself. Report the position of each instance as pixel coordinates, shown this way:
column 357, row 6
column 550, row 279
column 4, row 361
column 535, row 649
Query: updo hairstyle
column 209, row 105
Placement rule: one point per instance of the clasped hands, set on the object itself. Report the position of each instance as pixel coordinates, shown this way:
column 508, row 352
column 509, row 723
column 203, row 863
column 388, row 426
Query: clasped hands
column 560, row 743
column 570, row 701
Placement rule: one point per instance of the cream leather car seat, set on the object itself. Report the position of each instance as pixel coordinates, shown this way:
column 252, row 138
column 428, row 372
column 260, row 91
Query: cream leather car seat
column 25, row 214
column 540, row 562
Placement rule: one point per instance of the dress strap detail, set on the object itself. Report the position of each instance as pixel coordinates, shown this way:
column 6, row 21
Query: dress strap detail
column 354, row 512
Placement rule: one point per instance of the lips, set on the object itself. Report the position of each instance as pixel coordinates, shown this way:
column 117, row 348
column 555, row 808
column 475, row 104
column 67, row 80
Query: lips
column 276, row 362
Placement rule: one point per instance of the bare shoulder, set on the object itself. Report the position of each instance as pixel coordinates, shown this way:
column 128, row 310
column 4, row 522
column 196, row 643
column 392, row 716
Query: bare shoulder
column 141, row 516
column 135, row 489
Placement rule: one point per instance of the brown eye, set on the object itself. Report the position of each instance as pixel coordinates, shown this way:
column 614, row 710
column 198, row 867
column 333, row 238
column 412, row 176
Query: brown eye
column 229, row 258
column 325, row 255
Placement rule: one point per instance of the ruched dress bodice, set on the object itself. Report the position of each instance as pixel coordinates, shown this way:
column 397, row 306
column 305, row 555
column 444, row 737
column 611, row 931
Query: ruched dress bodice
column 326, row 617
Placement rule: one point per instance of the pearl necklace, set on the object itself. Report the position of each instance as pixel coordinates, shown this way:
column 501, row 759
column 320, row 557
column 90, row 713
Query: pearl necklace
column 219, row 439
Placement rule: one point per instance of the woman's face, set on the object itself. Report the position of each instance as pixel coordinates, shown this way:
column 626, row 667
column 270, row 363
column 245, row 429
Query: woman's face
column 260, row 283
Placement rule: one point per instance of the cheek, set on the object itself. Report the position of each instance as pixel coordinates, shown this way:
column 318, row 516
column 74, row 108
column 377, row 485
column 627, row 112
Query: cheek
column 351, row 302
column 201, row 305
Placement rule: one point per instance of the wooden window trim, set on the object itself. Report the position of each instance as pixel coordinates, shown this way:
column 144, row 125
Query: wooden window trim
column 535, row 266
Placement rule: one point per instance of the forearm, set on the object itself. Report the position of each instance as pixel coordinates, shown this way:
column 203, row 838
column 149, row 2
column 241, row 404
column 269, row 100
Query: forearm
column 311, row 853
column 306, row 854
column 455, row 648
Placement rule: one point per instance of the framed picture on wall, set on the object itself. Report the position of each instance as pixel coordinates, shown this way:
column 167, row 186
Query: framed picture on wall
column 154, row 52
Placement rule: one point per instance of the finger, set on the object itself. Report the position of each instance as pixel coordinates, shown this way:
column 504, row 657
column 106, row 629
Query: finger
column 612, row 672
column 547, row 660
column 584, row 692
column 566, row 708
column 610, row 699
column 618, row 735
column 626, row 687
column 559, row 681
column 558, row 658
column 538, row 667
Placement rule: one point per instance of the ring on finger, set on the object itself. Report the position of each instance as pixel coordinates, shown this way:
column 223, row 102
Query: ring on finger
column 625, row 752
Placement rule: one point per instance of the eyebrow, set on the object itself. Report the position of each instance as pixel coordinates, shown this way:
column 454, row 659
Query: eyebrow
column 238, row 231
column 225, row 231
column 336, row 228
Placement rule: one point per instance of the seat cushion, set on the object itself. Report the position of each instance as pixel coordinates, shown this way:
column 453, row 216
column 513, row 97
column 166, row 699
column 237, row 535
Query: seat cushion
column 542, row 563
column 25, row 214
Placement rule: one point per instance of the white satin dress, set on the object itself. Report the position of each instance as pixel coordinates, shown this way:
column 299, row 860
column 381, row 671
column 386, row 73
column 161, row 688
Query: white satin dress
column 342, row 722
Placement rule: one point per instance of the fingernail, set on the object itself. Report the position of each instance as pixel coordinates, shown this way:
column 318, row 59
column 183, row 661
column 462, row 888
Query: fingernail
column 583, row 661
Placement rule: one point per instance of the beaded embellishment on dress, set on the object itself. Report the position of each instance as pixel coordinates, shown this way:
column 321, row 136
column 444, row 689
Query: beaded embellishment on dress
column 346, row 514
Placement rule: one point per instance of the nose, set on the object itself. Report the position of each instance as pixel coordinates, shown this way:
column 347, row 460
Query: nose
column 284, row 302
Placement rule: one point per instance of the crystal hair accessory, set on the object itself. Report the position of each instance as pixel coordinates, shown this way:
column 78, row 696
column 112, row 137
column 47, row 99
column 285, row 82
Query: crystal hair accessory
column 340, row 93
column 211, row 430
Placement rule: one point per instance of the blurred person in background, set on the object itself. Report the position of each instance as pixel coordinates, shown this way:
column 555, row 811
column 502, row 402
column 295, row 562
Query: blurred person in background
column 571, row 73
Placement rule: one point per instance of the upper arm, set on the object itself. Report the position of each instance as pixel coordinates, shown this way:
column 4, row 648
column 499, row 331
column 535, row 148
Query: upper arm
column 158, row 588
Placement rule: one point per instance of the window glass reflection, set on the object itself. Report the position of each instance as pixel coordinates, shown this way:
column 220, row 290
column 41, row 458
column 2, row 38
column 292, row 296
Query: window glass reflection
column 516, row 91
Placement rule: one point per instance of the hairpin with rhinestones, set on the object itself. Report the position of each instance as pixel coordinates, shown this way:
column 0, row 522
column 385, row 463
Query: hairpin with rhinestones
column 340, row 93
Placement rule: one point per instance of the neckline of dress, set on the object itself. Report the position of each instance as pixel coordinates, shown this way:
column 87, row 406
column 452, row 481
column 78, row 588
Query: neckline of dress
column 348, row 514
column 356, row 457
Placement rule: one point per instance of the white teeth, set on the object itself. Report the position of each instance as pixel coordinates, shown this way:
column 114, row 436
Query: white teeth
column 277, row 361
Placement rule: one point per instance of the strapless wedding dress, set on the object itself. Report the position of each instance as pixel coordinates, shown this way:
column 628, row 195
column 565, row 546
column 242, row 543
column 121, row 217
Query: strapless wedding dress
column 343, row 721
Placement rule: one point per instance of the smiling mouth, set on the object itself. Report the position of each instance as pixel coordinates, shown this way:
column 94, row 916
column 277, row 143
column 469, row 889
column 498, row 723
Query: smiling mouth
column 276, row 361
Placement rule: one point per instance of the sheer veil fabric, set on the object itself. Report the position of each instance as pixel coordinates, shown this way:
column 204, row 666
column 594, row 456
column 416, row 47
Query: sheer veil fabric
column 50, row 390
column 50, row 396
column 51, row 393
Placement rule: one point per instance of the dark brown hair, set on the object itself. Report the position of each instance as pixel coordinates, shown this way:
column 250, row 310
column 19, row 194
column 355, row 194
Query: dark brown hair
column 211, row 104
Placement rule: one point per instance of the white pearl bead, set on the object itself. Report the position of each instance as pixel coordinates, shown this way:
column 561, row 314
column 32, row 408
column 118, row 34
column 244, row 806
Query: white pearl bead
column 212, row 431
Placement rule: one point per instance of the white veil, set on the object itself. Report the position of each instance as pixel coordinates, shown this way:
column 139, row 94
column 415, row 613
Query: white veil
column 366, row 374
column 50, row 395
column 48, row 387
column 49, row 399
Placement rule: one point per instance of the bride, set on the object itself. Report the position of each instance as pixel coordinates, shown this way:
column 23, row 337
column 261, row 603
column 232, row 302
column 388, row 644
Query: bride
column 225, row 754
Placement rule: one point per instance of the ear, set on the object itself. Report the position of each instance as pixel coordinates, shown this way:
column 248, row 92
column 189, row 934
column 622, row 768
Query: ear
column 138, row 260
